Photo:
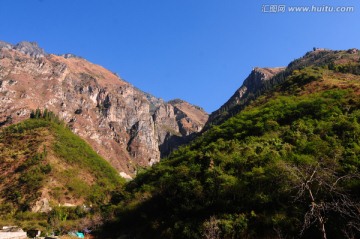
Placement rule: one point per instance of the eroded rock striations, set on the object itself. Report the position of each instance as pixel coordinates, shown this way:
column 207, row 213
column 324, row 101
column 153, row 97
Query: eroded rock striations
column 126, row 126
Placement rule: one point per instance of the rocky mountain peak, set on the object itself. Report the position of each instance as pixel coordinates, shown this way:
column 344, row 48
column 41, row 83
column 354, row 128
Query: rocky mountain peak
column 30, row 48
column 5, row 45
column 258, row 76
column 268, row 71
column 253, row 83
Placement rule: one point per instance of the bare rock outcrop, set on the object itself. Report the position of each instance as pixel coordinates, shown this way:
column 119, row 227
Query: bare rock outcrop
column 177, row 122
column 252, row 84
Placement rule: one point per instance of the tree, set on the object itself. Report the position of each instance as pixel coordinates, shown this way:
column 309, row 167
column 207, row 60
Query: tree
column 321, row 187
column 211, row 228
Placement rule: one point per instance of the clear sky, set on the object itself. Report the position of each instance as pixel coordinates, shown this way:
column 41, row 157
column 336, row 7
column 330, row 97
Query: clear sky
column 196, row 50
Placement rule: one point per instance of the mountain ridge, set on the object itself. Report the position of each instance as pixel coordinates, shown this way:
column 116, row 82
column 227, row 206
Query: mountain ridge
column 253, row 83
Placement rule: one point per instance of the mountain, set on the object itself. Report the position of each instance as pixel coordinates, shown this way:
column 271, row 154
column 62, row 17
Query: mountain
column 254, row 83
column 126, row 126
column 261, row 80
column 287, row 165
column 45, row 169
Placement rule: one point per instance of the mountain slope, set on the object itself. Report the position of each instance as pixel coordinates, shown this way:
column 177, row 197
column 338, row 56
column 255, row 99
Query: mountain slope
column 254, row 83
column 123, row 124
column 43, row 165
column 262, row 80
column 286, row 166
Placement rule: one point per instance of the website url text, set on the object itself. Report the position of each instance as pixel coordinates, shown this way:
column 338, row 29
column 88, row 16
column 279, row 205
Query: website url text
column 273, row 8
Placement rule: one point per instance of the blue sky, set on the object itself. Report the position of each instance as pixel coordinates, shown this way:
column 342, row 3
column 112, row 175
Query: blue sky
column 196, row 50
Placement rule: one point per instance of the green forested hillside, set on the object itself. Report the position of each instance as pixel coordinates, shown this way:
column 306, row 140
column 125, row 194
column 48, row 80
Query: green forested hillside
column 42, row 162
column 286, row 166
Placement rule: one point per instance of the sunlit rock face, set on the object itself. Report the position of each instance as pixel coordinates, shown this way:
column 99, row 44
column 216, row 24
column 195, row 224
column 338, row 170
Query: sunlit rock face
column 126, row 126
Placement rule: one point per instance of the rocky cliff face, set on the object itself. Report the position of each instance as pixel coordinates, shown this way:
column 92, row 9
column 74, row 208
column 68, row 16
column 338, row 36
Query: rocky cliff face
column 252, row 84
column 126, row 126
column 177, row 123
